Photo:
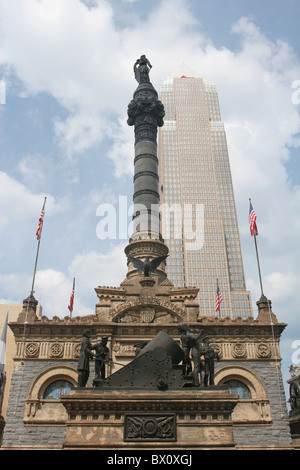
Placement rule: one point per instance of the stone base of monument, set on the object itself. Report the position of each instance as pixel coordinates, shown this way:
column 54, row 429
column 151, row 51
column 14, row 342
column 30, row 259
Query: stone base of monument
column 194, row 418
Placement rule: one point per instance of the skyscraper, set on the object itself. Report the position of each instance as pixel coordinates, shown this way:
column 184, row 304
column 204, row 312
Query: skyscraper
column 199, row 220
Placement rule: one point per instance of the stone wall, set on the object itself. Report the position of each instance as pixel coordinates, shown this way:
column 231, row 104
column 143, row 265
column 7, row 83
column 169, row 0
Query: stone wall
column 16, row 433
column 277, row 433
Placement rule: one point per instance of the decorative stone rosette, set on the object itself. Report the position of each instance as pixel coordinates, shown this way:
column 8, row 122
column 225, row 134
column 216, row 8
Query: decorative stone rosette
column 263, row 350
column 56, row 350
column 32, row 350
column 239, row 350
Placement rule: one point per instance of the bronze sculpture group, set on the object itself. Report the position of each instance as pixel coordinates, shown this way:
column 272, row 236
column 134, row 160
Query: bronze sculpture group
column 198, row 362
column 203, row 370
column 101, row 358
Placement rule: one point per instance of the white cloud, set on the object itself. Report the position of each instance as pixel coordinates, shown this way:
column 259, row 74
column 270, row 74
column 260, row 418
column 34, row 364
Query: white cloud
column 12, row 287
column 122, row 150
column 282, row 285
column 280, row 288
column 52, row 288
column 18, row 203
column 107, row 269
column 30, row 168
column 79, row 132
column 85, row 62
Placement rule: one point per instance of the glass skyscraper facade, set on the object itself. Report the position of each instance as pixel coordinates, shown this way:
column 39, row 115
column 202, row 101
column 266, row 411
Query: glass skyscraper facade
column 198, row 214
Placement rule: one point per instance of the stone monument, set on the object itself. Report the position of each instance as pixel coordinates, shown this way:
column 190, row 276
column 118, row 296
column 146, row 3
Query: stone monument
column 150, row 399
column 151, row 388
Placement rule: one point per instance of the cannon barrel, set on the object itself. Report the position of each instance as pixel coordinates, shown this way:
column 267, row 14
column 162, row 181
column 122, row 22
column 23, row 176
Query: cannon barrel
column 161, row 346
column 155, row 366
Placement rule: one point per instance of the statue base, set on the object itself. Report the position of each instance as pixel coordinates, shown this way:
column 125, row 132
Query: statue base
column 189, row 418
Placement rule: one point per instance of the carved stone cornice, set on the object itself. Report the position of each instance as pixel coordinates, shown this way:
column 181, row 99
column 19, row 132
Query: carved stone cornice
column 235, row 327
column 214, row 327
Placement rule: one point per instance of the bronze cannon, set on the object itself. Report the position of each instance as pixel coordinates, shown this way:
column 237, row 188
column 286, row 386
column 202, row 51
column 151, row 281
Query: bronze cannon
column 156, row 366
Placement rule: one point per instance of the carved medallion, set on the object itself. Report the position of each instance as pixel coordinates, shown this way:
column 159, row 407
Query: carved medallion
column 150, row 427
column 239, row 350
column 32, row 350
column 56, row 350
column 263, row 350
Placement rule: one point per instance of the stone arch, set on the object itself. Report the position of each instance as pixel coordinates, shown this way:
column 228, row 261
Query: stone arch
column 37, row 409
column 243, row 375
column 49, row 375
column 255, row 410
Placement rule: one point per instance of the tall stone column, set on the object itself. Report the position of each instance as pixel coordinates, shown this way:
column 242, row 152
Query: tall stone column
column 145, row 113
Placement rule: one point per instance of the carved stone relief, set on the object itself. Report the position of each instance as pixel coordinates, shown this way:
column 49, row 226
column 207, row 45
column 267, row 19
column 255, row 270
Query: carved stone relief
column 32, row 349
column 238, row 350
column 263, row 350
column 56, row 350
column 146, row 315
column 151, row 427
column 124, row 349
column 147, row 309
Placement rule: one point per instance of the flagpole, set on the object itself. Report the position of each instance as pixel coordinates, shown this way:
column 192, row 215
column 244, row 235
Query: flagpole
column 256, row 251
column 219, row 302
column 35, row 266
column 37, row 253
column 258, row 265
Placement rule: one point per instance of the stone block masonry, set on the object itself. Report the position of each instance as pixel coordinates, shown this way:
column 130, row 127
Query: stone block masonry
column 18, row 434
column 246, row 435
column 275, row 433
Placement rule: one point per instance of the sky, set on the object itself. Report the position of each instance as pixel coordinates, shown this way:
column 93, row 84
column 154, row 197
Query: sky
column 66, row 78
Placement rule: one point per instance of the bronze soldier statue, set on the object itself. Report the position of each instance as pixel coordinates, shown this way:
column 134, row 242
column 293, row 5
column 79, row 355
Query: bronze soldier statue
column 102, row 358
column 190, row 344
column 210, row 355
column 86, row 354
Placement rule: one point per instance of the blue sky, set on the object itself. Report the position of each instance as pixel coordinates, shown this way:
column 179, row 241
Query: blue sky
column 67, row 70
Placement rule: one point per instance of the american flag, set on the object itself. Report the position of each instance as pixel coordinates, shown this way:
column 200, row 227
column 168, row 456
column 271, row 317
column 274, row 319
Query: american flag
column 41, row 221
column 40, row 226
column 219, row 299
column 71, row 303
column 252, row 221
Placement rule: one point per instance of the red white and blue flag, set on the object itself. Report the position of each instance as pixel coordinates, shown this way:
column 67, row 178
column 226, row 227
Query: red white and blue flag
column 71, row 303
column 252, row 222
column 41, row 221
column 219, row 299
